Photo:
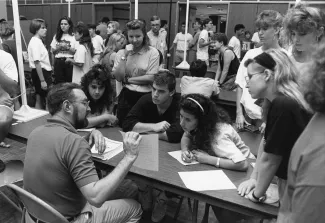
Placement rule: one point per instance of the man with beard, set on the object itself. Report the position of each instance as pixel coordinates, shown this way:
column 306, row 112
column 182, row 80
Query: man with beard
column 157, row 112
column 59, row 167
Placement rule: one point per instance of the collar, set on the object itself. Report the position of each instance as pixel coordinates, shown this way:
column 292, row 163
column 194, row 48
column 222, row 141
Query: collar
column 58, row 121
column 142, row 51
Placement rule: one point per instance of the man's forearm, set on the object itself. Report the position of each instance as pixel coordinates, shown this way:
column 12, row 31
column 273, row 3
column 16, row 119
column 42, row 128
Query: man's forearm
column 238, row 98
column 145, row 79
column 105, row 188
column 143, row 127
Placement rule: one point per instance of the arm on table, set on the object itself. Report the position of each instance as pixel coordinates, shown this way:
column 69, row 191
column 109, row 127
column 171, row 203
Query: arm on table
column 239, row 111
column 100, row 191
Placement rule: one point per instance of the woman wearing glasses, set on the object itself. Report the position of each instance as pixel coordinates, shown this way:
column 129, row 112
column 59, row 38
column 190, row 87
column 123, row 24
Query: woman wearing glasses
column 135, row 67
column 97, row 86
column 272, row 75
column 249, row 110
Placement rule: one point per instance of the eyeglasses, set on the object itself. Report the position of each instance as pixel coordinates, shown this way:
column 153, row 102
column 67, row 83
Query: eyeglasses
column 249, row 76
column 85, row 103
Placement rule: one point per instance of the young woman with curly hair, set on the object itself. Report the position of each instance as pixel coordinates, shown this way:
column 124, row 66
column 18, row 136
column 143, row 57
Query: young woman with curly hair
column 97, row 86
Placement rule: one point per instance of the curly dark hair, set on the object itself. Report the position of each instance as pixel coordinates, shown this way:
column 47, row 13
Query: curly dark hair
column 207, row 119
column 59, row 31
column 102, row 75
column 315, row 94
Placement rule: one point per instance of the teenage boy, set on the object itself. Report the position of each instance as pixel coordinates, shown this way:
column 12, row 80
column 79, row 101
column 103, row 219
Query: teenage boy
column 234, row 42
column 157, row 112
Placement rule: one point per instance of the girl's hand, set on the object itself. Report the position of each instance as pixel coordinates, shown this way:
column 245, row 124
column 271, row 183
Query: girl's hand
column 199, row 156
column 44, row 85
column 187, row 156
column 262, row 127
column 246, row 187
column 240, row 120
column 113, row 120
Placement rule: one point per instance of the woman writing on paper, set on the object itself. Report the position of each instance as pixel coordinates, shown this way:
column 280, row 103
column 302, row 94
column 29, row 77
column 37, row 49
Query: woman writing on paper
column 97, row 86
column 208, row 135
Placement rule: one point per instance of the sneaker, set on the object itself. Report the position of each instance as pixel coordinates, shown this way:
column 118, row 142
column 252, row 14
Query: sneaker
column 160, row 208
column 145, row 198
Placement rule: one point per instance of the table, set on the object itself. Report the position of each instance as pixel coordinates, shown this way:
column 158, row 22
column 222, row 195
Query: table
column 167, row 178
column 227, row 97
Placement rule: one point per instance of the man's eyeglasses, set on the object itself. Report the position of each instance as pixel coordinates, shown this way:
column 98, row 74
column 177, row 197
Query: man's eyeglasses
column 249, row 76
column 85, row 103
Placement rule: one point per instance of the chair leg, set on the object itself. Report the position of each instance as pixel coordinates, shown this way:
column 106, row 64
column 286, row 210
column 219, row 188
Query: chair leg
column 195, row 210
column 206, row 213
column 189, row 205
column 178, row 208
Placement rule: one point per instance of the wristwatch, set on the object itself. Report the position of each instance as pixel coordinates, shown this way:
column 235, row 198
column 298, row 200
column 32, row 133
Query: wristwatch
column 259, row 199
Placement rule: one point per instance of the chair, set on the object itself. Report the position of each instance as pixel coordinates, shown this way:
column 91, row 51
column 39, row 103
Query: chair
column 34, row 206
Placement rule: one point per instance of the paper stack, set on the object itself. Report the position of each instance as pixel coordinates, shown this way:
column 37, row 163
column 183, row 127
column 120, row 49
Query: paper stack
column 112, row 149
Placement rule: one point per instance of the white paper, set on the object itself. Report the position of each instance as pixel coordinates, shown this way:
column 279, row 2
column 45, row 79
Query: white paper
column 86, row 130
column 253, row 165
column 148, row 157
column 272, row 194
column 206, row 180
column 112, row 149
column 178, row 156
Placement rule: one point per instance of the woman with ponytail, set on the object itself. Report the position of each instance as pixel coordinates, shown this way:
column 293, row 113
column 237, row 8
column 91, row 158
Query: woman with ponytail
column 272, row 75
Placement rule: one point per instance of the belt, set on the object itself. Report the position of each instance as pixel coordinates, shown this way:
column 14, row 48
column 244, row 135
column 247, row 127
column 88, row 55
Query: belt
column 39, row 221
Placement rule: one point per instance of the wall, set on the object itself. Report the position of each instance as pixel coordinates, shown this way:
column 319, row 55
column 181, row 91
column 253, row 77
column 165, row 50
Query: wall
column 3, row 11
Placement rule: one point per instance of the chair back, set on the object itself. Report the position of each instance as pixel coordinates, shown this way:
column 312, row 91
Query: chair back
column 37, row 207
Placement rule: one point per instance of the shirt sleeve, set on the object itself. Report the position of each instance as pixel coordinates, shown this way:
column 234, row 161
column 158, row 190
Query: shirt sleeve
column 136, row 114
column 80, row 164
column 53, row 43
column 117, row 59
column 175, row 131
column 153, row 64
column 35, row 51
column 279, row 138
column 176, row 38
column 242, row 73
column 10, row 68
column 308, row 205
column 232, row 42
column 80, row 55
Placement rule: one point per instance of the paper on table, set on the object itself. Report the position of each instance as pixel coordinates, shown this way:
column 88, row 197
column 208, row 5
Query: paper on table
column 112, row 149
column 272, row 194
column 148, row 157
column 178, row 156
column 253, row 165
column 85, row 130
column 206, row 180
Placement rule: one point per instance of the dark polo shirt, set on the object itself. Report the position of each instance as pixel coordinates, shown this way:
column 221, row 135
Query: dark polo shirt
column 57, row 163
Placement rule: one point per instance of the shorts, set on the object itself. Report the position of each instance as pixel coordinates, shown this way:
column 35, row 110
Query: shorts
column 37, row 83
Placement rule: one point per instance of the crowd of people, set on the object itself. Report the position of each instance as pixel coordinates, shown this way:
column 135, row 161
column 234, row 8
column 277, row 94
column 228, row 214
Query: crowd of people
column 99, row 75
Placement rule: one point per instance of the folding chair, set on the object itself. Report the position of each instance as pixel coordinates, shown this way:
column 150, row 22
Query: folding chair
column 36, row 210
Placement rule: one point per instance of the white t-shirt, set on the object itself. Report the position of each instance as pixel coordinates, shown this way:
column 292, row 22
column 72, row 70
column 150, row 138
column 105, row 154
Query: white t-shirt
column 235, row 44
column 203, row 53
column 253, row 111
column 82, row 55
column 199, row 85
column 180, row 41
column 67, row 40
column 255, row 38
column 8, row 65
column 38, row 52
column 98, row 44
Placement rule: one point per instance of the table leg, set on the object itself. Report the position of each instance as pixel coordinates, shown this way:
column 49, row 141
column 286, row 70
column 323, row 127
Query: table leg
column 195, row 210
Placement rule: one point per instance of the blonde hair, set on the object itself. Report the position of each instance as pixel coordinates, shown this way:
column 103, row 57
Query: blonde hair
column 269, row 18
column 304, row 20
column 116, row 25
column 111, row 44
column 285, row 77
